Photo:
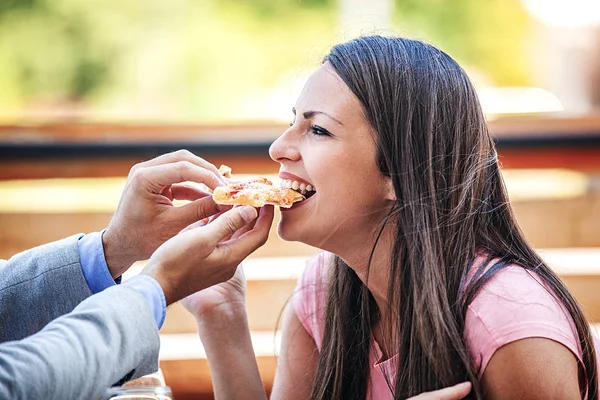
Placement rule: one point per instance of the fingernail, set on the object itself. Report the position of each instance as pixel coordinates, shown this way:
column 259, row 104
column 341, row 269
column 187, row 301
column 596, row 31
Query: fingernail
column 248, row 213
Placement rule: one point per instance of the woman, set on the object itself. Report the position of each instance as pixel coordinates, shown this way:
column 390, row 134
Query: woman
column 426, row 279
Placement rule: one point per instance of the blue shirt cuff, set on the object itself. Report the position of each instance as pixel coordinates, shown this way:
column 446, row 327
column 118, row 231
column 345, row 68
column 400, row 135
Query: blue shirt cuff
column 154, row 295
column 93, row 264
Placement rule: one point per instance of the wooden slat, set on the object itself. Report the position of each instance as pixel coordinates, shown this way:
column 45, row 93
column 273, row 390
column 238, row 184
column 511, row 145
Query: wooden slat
column 265, row 301
column 117, row 167
column 190, row 379
column 578, row 159
column 546, row 223
column 138, row 132
column 185, row 367
column 543, row 126
column 270, row 284
column 530, row 126
column 22, row 231
column 561, row 222
column 586, row 160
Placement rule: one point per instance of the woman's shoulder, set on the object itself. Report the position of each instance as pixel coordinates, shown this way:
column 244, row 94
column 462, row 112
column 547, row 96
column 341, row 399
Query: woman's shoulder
column 515, row 304
column 519, row 290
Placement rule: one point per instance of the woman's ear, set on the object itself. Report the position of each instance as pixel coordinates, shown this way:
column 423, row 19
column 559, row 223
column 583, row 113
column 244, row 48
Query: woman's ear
column 390, row 193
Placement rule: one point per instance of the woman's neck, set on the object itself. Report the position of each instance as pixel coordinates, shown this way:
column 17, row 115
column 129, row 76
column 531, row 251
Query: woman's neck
column 374, row 275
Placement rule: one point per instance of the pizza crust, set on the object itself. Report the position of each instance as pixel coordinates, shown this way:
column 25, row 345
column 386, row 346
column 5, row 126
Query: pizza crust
column 225, row 171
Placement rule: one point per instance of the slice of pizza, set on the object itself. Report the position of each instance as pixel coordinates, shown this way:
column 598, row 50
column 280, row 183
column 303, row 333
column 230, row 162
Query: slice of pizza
column 256, row 193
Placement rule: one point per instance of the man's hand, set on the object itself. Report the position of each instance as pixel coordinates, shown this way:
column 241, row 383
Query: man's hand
column 146, row 216
column 455, row 392
column 204, row 256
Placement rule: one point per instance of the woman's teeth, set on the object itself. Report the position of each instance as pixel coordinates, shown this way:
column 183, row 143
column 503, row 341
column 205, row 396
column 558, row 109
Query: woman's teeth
column 297, row 186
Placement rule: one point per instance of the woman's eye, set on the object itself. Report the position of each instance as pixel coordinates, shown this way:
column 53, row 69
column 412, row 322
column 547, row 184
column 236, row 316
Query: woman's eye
column 318, row 131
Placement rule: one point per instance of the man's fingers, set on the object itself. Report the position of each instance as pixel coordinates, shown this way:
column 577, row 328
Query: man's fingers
column 455, row 392
column 180, row 155
column 167, row 193
column 197, row 224
column 248, row 227
column 156, row 178
column 229, row 222
column 240, row 247
column 181, row 191
column 196, row 210
column 244, row 229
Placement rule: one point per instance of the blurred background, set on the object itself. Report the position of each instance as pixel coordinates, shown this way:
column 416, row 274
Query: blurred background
column 89, row 88
column 244, row 60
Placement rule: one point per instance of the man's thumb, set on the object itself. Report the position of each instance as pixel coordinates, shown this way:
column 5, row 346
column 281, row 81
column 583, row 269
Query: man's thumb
column 230, row 221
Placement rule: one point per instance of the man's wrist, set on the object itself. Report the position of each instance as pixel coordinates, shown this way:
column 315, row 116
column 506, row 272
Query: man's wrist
column 154, row 270
column 117, row 260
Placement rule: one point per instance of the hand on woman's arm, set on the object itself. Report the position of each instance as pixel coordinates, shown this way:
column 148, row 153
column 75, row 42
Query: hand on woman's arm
column 220, row 312
column 456, row 392
column 203, row 256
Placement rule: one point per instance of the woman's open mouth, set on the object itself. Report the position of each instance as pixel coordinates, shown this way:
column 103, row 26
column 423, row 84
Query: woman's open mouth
column 307, row 190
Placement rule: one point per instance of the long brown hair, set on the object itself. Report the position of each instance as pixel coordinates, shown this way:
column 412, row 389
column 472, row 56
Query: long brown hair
column 434, row 144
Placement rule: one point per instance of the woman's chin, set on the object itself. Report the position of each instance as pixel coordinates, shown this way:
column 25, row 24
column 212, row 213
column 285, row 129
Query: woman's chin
column 285, row 233
column 290, row 233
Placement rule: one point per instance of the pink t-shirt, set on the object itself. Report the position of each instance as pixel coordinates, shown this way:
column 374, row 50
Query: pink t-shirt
column 512, row 305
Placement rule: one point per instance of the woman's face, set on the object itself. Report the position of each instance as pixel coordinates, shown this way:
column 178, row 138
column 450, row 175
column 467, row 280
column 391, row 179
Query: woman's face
column 331, row 147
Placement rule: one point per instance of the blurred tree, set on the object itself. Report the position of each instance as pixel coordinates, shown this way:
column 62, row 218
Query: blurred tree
column 490, row 35
column 51, row 50
column 214, row 59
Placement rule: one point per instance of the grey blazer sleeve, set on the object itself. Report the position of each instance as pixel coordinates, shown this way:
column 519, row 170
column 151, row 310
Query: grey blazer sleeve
column 39, row 285
column 110, row 337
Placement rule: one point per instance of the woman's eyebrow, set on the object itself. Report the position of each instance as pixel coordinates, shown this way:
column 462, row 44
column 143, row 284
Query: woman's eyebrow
column 312, row 113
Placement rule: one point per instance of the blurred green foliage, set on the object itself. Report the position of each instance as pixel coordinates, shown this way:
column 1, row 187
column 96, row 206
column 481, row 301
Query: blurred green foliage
column 489, row 35
column 212, row 60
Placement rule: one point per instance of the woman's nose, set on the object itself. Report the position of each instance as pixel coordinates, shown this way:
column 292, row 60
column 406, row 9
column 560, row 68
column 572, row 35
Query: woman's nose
column 284, row 148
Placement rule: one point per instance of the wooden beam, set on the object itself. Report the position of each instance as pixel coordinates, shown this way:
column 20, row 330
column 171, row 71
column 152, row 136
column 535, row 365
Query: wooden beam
column 190, row 379
column 107, row 167
column 580, row 159
column 101, row 150
column 73, row 131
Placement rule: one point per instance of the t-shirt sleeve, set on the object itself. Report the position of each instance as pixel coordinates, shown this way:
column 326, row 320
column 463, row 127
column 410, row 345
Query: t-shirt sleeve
column 310, row 298
column 515, row 305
